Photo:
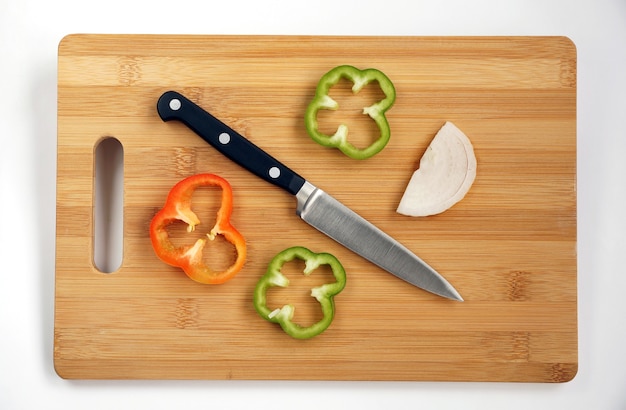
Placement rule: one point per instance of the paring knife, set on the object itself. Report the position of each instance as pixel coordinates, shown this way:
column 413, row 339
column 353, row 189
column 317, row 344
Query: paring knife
column 314, row 206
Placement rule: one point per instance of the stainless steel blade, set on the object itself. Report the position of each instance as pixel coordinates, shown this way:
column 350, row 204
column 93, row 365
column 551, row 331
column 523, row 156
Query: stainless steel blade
column 339, row 222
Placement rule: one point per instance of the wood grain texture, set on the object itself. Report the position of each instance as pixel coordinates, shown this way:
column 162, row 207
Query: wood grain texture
column 509, row 247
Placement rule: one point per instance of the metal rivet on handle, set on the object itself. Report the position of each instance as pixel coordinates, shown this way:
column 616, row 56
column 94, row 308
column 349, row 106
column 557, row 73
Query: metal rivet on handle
column 175, row 104
column 224, row 138
column 274, row 172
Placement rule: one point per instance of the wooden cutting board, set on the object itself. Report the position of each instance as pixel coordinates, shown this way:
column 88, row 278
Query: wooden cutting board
column 509, row 247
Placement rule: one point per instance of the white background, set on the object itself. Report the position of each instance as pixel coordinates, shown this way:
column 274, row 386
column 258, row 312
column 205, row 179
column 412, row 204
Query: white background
column 30, row 31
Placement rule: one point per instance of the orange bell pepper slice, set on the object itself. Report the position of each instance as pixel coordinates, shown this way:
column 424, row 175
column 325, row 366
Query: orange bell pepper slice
column 189, row 257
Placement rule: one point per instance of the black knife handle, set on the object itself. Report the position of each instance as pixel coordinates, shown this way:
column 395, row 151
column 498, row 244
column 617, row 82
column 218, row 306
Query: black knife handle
column 175, row 106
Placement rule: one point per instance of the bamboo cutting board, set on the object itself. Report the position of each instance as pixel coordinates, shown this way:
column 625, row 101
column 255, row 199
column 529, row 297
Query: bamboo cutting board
column 509, row 247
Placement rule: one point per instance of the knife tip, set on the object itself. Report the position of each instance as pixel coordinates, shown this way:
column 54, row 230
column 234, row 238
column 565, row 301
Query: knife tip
column 452, row 293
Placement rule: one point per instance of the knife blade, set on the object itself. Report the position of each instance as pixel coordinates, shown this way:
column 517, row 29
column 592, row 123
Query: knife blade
column 314, row 206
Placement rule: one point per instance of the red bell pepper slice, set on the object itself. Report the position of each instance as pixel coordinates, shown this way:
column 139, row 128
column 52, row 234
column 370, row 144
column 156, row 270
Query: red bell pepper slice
column 189, row 257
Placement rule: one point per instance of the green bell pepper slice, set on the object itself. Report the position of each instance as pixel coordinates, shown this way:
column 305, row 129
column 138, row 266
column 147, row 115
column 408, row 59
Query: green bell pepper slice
column 322, row 101
column 324, row 293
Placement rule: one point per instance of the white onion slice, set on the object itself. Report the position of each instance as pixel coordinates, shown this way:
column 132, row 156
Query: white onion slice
column 445, row 174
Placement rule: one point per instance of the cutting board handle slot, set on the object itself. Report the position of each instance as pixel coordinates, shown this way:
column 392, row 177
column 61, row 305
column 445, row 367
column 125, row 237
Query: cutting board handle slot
column 108, row 205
